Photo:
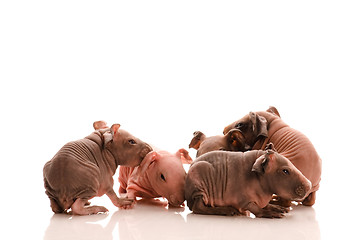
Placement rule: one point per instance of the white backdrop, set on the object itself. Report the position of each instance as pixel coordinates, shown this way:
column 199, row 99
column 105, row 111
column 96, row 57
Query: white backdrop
column 163, row 69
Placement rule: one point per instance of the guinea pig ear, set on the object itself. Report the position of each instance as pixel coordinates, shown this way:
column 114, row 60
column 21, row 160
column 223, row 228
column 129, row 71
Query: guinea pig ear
column 149, row 159
column 274, row 111
column 270, row 146
column 198, row 138
column 260, row 164
column 100, row 125
column 114, row 128
column 259, row 125
column 265, row 162
column 183, row 155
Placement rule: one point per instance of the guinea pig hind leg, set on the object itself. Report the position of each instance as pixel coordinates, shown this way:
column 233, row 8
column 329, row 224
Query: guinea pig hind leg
column 79, row 208
column 200, row 208
column 55, row 206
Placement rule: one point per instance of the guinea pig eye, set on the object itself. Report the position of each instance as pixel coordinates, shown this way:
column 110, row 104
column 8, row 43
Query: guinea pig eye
column 285, row 171
column 131, row 141
column 240, row 126
column 222, row 149
column 162, row 177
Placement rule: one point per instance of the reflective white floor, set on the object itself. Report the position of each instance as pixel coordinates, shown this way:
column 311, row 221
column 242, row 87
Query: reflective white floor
column 151, row 220
column 27, row 214
column 26, row 211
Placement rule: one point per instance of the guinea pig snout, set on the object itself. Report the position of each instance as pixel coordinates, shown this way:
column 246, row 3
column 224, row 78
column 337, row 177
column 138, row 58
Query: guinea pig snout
column 147, row 149
column 303, row 189
column 174, row 201
column 300, row 191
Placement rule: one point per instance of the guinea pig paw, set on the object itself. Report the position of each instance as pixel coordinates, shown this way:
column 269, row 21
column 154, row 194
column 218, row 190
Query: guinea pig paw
column 270, row 214
column 102, row 209
column 281, row 202
column 127, row 206
column 126, row 203
column 277, row 208
column 231, row 211
column 266, row 213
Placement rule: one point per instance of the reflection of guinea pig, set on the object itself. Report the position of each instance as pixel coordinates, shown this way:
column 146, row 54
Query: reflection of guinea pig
column 287, row 228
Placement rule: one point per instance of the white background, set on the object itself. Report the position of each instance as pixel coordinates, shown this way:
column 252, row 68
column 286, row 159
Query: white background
column 163, row 69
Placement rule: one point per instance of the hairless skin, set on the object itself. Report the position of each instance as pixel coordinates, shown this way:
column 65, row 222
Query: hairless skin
column 231, row 183
column 260, row 128
column 83, row 169
column 161, row 174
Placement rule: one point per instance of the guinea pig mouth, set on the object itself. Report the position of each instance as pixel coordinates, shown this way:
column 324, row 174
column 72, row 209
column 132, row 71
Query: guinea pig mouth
column 173, row 201
column 144, row 152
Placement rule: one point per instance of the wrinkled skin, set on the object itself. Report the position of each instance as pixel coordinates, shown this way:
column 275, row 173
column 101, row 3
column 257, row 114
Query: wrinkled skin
column 232, row 141
column 231, row 183
column 261, row 128
column 83, row 169
column 161, row 174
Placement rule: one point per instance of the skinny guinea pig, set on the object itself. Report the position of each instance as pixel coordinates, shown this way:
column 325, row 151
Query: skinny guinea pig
column 260, row 128
column 83, row 169
column 232, row 141
column 161, row 174
column 230, row 183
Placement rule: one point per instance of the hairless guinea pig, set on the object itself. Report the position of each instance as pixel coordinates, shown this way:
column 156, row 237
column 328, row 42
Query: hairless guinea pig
column 260, row 128
column 161, row 174
column 232, row 141
column 230, row 183
column 83, row 169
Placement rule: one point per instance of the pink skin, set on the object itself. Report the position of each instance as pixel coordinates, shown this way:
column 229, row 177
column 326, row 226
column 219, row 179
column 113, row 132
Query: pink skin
column 161, row 174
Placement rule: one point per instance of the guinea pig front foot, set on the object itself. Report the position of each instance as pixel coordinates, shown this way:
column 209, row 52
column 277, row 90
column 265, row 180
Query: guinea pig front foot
column 276, row 200
column 270, row 211
column 125, row 203
column 273, row 211
column 277, row 208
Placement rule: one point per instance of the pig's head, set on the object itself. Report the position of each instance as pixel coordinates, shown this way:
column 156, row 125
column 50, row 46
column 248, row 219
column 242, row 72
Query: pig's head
column 281, row 176
column 126, row 149
column 166, row 174
column 232, row 141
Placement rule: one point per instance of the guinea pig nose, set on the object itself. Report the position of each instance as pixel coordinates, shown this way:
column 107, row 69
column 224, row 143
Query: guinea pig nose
column 174, row 201
column 147, row 149
column 300, row 191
